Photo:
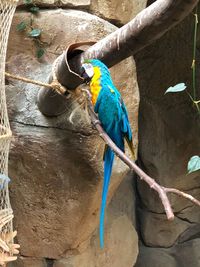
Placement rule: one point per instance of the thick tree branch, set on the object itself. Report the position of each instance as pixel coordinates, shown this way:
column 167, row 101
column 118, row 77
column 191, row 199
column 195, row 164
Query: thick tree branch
column 146, row 27
column 150, row 24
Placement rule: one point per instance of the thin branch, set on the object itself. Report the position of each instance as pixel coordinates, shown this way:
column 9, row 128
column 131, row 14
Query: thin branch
column 182, row 194
column 161, row 190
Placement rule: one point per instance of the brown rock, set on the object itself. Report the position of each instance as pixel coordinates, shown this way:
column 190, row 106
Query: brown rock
column 40, row 2
column 121, row 242
column 117, row 11
column 64, row 3
column 56, row 168
column 156, row 225
column 169, row 136
column 156, row 257
column 28, row 262
column 75, row 3
column 182, row 254
column 120, row 248
column 187, row 253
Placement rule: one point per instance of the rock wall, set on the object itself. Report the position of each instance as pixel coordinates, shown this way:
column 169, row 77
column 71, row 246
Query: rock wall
column 57, row 170
column 117, row 11
column 55, row 166
column 169, row 132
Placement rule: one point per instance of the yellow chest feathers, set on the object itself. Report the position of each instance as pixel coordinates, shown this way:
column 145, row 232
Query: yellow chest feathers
column 95, row 86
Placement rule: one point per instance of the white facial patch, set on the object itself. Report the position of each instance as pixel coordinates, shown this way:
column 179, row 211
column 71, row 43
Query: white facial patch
column 88, row 69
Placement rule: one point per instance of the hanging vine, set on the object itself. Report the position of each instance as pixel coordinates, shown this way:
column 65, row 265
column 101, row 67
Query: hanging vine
column 194, row 162
column 27, row 26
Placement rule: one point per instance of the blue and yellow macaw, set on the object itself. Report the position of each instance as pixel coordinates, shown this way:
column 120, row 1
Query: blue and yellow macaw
column 112, row 113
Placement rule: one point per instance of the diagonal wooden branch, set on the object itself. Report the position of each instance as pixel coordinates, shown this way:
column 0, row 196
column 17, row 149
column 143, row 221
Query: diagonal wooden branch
column 149, row 25
column 161, row 190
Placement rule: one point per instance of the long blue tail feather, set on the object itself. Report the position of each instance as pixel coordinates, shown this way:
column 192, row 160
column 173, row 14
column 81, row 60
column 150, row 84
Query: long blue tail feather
column 108, row 163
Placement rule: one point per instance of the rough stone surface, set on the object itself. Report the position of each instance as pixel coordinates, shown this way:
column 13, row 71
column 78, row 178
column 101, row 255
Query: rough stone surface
column 187, row 253
column 29, row 262
column 118, row 11
column 56, row 168
column 64, row 3
column 38, row 2
column 76, row 3
column 182, row 254
column 169, row 132
column 119, row 230
column 155, row 257
column 166, row 232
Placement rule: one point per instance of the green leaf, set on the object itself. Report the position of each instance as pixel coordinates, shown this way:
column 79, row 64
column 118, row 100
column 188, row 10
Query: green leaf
column 34, row 9
column 27, row 2
column 40, row 52
column 35, row 33
column 21, row 26
column 193, row 164
column 177, row 88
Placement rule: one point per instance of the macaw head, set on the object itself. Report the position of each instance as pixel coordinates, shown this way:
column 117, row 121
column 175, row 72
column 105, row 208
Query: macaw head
column 90, row 67
column 87, row 72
